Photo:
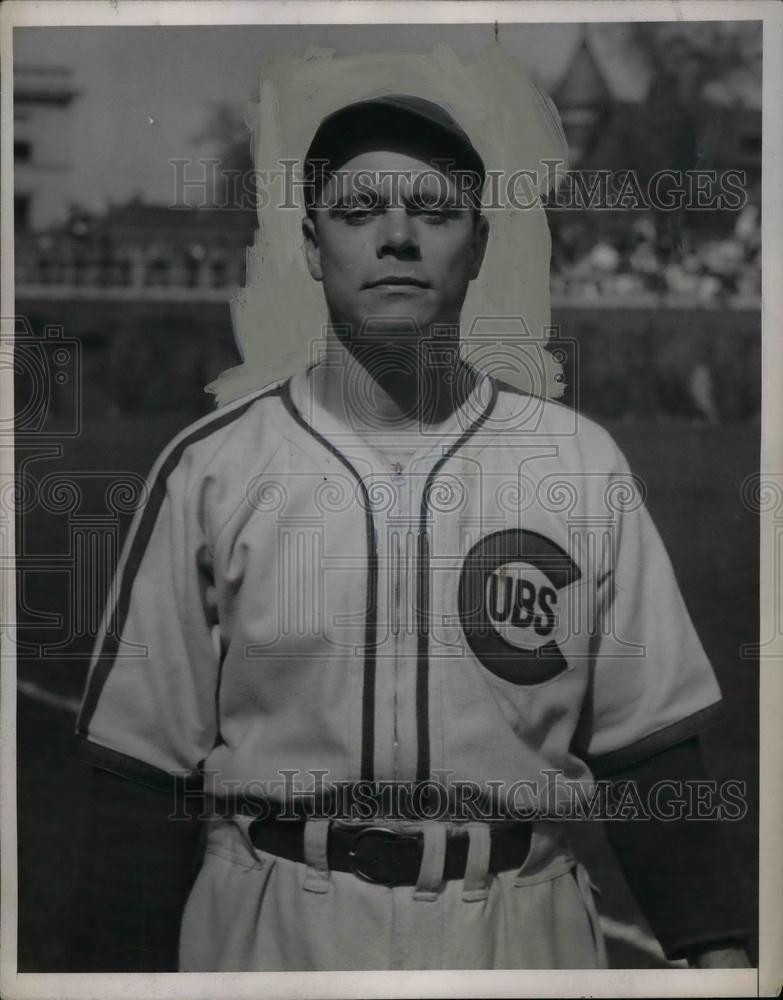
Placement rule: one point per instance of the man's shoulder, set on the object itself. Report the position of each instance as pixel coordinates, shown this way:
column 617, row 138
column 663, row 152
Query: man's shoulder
column 228, row 433
column 528, row 418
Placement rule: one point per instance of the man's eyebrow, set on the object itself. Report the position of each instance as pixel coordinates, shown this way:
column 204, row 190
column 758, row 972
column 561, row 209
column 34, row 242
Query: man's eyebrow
column 356, row 199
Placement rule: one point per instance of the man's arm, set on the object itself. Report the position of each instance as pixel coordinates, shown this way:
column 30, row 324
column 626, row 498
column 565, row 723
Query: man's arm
column 681, row 871
column 147, row 721
column 720, row 957
column 136, row 868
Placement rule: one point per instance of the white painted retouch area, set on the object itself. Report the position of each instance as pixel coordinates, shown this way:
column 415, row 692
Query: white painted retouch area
column 280, row 316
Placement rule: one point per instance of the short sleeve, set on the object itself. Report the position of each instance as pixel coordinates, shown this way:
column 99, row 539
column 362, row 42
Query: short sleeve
column 651, row 683
column 149, row 708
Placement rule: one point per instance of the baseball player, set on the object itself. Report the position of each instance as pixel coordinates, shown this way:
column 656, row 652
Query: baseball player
column 385, row 621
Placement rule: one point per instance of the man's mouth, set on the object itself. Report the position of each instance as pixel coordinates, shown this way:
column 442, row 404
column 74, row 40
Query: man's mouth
column 397, row 279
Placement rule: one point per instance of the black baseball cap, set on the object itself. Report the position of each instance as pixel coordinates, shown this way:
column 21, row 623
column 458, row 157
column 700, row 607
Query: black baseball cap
column 399, row 122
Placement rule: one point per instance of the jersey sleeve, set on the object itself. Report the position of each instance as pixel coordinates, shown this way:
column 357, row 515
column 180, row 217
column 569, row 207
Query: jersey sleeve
column 149, row 708
column 651, row 685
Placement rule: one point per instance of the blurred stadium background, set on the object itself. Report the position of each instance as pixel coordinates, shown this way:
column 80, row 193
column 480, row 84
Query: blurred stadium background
column 123, row 317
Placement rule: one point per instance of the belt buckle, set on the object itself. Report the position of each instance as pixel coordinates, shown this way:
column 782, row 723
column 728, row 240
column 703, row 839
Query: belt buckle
column 372, row 867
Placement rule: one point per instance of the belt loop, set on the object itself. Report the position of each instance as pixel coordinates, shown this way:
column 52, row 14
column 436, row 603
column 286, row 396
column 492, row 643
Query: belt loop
column 476, row 882
column 433, row 860
column 316, row 835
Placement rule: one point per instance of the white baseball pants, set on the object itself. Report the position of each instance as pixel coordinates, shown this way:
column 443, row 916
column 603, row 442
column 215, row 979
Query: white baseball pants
column 250, row 911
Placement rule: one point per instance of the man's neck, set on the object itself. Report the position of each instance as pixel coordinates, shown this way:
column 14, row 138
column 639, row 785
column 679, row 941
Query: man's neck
column 354, row 388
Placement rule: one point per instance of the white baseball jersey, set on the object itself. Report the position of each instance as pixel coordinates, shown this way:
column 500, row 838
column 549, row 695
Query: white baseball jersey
column 288, row 602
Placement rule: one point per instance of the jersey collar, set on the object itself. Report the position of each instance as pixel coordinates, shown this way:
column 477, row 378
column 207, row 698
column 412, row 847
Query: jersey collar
column 358, row 447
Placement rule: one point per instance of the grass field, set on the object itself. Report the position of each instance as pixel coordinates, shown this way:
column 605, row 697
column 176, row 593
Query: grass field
column 694, row 475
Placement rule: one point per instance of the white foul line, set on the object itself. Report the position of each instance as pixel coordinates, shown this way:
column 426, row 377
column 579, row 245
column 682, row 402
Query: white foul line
column 40, row 694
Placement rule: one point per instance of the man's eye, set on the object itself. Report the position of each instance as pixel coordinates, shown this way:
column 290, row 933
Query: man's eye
column 433, row 212
column 357, row 216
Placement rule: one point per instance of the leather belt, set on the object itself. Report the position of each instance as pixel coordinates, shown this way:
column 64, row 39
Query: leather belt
column 390, row 857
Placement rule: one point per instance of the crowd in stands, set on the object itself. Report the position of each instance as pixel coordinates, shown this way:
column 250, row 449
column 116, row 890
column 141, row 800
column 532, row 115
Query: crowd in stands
column 654, row 260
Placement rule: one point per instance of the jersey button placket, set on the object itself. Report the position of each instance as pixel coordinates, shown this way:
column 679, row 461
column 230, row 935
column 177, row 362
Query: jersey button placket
column 398, row 550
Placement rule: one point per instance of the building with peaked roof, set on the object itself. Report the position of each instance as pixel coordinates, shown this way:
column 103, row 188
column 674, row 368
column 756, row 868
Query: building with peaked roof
column 605, row 71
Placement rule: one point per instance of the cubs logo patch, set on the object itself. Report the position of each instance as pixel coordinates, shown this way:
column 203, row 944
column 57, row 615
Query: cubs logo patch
column 510, row 607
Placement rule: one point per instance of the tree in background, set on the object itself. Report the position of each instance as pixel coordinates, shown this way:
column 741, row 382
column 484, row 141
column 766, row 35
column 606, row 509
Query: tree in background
column 693, row 67
column 699, row 70
column 227, row 137
column 690, row 57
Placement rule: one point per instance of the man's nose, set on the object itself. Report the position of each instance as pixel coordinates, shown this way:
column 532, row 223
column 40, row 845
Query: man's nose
column 396, row 235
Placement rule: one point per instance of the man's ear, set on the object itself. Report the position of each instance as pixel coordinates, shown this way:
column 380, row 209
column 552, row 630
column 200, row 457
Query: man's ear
column 312, row 248
column 480, row 240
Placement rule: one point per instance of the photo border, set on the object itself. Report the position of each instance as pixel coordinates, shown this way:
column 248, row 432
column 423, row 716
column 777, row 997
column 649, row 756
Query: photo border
column 664, row 983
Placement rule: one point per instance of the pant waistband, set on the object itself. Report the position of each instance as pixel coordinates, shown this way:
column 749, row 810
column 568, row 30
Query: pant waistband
column 387, row 856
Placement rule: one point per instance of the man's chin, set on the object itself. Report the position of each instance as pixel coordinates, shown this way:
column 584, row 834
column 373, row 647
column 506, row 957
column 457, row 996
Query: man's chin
column 402, row 325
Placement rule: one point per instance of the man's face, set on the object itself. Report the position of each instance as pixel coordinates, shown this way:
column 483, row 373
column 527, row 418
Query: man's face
column 394, row 249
